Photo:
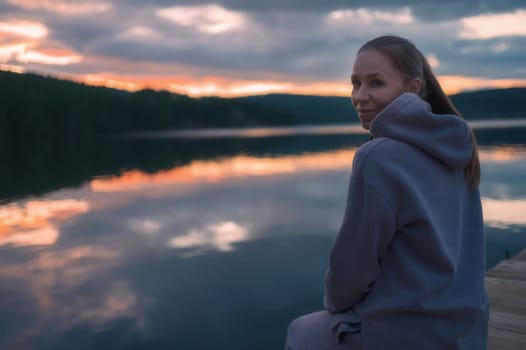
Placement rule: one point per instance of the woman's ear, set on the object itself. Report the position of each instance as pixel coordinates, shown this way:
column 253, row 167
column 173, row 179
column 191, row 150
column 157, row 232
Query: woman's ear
column 414, row 86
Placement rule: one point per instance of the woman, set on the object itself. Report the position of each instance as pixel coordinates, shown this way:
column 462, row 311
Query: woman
column 406, row 270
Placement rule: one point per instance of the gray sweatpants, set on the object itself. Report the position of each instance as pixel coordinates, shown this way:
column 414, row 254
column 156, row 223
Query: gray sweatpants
column 323, row 331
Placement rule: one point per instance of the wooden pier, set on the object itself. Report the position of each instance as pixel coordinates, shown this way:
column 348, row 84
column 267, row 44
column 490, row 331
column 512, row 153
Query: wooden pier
column 506, row 285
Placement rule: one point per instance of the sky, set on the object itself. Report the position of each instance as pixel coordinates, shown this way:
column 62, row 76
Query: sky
column 242, row 47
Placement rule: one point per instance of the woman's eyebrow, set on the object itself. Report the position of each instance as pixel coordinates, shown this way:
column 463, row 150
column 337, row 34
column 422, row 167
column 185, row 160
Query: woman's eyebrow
column 368, row 76
column 374, row 75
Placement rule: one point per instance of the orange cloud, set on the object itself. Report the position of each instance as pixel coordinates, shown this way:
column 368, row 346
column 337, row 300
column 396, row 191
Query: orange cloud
column 26, row 29
column 43, row 58
column 22, row 43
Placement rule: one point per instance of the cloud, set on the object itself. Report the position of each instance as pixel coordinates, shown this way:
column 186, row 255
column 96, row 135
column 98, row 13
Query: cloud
column 139, row 33
column 489, row 26
column 26, row 29
column 246, row 47
column 366, row 16
column 63, row 7
column 496, row 58
column 209, row 19
column 430, row 10
column 433, row 60
column 43, row 58
column 23, row 53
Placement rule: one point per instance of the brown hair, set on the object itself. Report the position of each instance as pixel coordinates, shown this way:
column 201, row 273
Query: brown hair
column 412, row 64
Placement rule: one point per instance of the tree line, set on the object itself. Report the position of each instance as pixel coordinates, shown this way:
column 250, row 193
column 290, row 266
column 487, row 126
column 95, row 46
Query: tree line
column 34, row 106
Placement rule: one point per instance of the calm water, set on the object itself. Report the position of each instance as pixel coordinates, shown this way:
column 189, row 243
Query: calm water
column 210, row 243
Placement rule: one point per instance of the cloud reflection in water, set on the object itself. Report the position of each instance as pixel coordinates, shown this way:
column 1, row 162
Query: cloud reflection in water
column 504, row 213
column 31, row 223
column 220, row 236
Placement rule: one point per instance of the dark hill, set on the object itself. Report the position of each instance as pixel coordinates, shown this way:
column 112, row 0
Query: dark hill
column 483, row 104
column 494, row 103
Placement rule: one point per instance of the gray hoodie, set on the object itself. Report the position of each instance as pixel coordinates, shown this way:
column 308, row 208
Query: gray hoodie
column 406, row 270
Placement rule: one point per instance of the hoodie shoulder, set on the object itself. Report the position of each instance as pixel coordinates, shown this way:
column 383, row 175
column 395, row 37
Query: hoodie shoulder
column 409, row 119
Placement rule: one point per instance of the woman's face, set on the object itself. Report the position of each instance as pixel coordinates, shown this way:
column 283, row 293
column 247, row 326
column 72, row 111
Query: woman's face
column 375, row 83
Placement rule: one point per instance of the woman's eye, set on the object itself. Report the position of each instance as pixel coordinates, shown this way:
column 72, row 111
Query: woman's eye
column 355, row 83
column 377, row 83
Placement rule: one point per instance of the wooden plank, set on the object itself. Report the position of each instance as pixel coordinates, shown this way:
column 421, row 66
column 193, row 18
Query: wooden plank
column 500, row 339
column 507, row 321
column 506, row 286
column 511, row 269
column 507, row 296
column 520, row 256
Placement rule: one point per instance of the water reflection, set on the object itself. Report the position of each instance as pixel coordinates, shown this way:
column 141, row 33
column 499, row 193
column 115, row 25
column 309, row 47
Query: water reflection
column 502, row 154
column 31, row 222
column 257, row 132
column 225, row 169
column 61, row 290
column 151, row 258
column 220, row 236
column 504, row 213
column 34, row 222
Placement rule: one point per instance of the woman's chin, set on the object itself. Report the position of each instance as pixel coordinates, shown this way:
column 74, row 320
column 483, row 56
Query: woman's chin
column 365, row 125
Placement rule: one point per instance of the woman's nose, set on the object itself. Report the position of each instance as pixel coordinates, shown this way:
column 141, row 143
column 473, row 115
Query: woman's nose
column 359, row 95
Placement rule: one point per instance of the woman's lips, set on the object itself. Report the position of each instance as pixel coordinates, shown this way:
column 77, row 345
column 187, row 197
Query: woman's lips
column 365, row 113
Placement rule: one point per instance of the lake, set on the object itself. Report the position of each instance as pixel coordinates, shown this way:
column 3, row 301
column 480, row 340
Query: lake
column 197, row 242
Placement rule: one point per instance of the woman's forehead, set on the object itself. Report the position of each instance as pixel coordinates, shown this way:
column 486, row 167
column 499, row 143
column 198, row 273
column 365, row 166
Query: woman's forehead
column 370, row 62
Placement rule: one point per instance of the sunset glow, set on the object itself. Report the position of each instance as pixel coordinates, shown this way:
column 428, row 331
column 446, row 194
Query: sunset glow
column 456, row 84
column 222, row 87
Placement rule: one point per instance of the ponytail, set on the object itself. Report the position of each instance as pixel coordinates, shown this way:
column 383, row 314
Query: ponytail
column 441, row 104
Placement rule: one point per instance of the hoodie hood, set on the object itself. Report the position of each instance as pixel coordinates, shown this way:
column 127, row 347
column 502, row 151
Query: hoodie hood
column 408, row 118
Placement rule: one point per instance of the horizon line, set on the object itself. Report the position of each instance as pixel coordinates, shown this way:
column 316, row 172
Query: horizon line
column 338, row 91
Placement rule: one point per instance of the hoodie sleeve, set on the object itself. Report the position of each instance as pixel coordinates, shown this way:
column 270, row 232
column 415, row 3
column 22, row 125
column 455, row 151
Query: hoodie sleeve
column 354, row 263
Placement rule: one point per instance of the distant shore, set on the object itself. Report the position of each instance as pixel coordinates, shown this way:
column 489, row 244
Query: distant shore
column 261, row 132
